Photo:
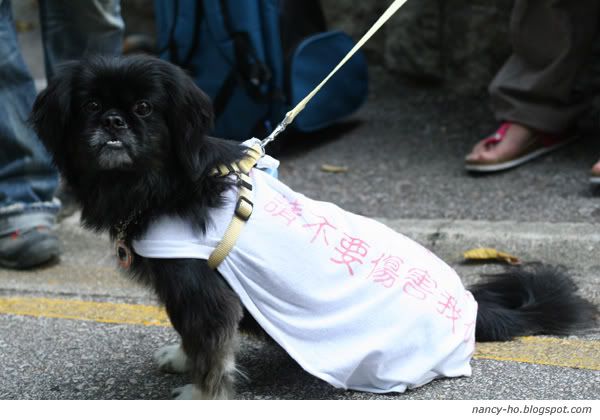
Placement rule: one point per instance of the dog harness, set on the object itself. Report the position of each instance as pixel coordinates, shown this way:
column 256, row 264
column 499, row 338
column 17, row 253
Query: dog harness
column 352, row 301
column 244, row 205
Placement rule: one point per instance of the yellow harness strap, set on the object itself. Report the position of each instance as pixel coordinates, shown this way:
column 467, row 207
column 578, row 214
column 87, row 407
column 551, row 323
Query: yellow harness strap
column 243, row 207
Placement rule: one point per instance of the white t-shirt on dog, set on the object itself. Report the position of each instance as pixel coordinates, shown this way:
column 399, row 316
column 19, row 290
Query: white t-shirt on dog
column 352, row 301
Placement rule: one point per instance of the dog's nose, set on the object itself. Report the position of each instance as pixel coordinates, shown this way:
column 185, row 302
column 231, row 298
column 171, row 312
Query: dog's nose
column 114, row 121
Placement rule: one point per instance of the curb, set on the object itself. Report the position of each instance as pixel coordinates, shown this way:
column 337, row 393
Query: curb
column 568, row 244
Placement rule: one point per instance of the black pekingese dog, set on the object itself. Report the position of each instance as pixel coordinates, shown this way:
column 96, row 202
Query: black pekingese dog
column 129, row 136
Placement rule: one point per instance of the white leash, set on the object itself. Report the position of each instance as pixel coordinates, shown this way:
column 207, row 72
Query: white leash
column 289, row 117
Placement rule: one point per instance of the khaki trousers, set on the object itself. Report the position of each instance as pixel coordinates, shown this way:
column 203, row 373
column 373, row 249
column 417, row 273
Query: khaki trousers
column 551, row 41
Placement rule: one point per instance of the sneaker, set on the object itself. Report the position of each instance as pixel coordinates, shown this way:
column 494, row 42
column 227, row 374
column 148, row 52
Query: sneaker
column 26, row 249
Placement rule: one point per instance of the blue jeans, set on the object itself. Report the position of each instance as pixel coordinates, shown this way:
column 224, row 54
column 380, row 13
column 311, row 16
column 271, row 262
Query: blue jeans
column 70, row 30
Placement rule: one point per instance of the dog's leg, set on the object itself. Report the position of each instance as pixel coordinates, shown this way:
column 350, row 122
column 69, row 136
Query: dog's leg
column 213, row 369
column 172, row 359
column 206, row 313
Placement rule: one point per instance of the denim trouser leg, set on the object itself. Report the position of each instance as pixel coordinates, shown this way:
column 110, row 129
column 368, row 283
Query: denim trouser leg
column 70, row 30
column 27, row 178
column 73, row 29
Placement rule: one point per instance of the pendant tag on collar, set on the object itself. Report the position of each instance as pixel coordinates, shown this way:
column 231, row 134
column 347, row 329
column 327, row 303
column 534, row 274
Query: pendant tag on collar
column 124, row 254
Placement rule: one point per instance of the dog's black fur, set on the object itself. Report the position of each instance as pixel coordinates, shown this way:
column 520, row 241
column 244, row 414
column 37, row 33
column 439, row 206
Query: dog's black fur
column 129, row 136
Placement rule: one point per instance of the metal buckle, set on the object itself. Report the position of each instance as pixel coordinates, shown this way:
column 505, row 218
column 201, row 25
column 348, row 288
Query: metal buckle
column 243, row 208
column 242, row 183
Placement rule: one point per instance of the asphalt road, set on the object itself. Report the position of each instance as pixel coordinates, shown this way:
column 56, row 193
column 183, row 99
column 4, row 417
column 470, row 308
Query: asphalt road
column 63, row 359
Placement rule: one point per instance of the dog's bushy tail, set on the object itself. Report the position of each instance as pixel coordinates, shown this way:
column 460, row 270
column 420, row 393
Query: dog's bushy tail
column 530, row 301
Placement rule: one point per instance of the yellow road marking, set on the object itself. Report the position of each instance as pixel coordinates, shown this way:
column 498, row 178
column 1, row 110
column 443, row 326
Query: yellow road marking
column 114, row 313
column 570, row 353
column 550, row 351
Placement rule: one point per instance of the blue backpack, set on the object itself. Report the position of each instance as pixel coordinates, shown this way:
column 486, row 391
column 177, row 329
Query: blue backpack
column 256, row 59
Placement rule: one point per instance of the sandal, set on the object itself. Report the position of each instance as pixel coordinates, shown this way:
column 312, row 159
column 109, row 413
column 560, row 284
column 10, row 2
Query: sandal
column 595, row 174
column 539, row 144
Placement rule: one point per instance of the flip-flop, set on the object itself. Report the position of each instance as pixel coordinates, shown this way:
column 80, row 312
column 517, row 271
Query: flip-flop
column 595, row 177
column 540, row 144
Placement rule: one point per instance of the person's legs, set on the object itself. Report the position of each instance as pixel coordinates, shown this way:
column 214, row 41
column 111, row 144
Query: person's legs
column 534, row 89
column 27, row 177
column 71, row 30
column 74, row 29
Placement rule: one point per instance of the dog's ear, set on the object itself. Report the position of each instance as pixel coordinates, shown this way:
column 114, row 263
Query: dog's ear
column 190, row 118
column 52, row 111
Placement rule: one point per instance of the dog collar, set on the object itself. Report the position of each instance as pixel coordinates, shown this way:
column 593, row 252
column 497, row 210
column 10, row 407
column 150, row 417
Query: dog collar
column 243, row 210
column 124, row 253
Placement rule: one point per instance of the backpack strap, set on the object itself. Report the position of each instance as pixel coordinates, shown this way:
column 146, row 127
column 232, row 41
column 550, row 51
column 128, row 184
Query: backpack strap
column 171, row 46
column 243, row 207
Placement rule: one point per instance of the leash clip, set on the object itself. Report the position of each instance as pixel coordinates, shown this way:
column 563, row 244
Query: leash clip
column 278, row 130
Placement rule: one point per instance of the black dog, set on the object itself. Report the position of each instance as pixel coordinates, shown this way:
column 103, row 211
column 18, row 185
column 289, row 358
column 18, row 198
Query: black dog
column 129, row 136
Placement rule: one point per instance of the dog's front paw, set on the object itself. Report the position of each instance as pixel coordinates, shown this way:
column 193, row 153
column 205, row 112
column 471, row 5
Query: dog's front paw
column 187, row 392
column 172, row 359
column 192, row 392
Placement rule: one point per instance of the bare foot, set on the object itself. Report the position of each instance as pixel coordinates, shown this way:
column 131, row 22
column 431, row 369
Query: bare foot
column 596, row 171
column 516, row 138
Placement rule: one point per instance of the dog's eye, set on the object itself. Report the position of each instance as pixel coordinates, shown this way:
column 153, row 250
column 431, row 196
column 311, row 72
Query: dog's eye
column 92, row 106
column 142, row 108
